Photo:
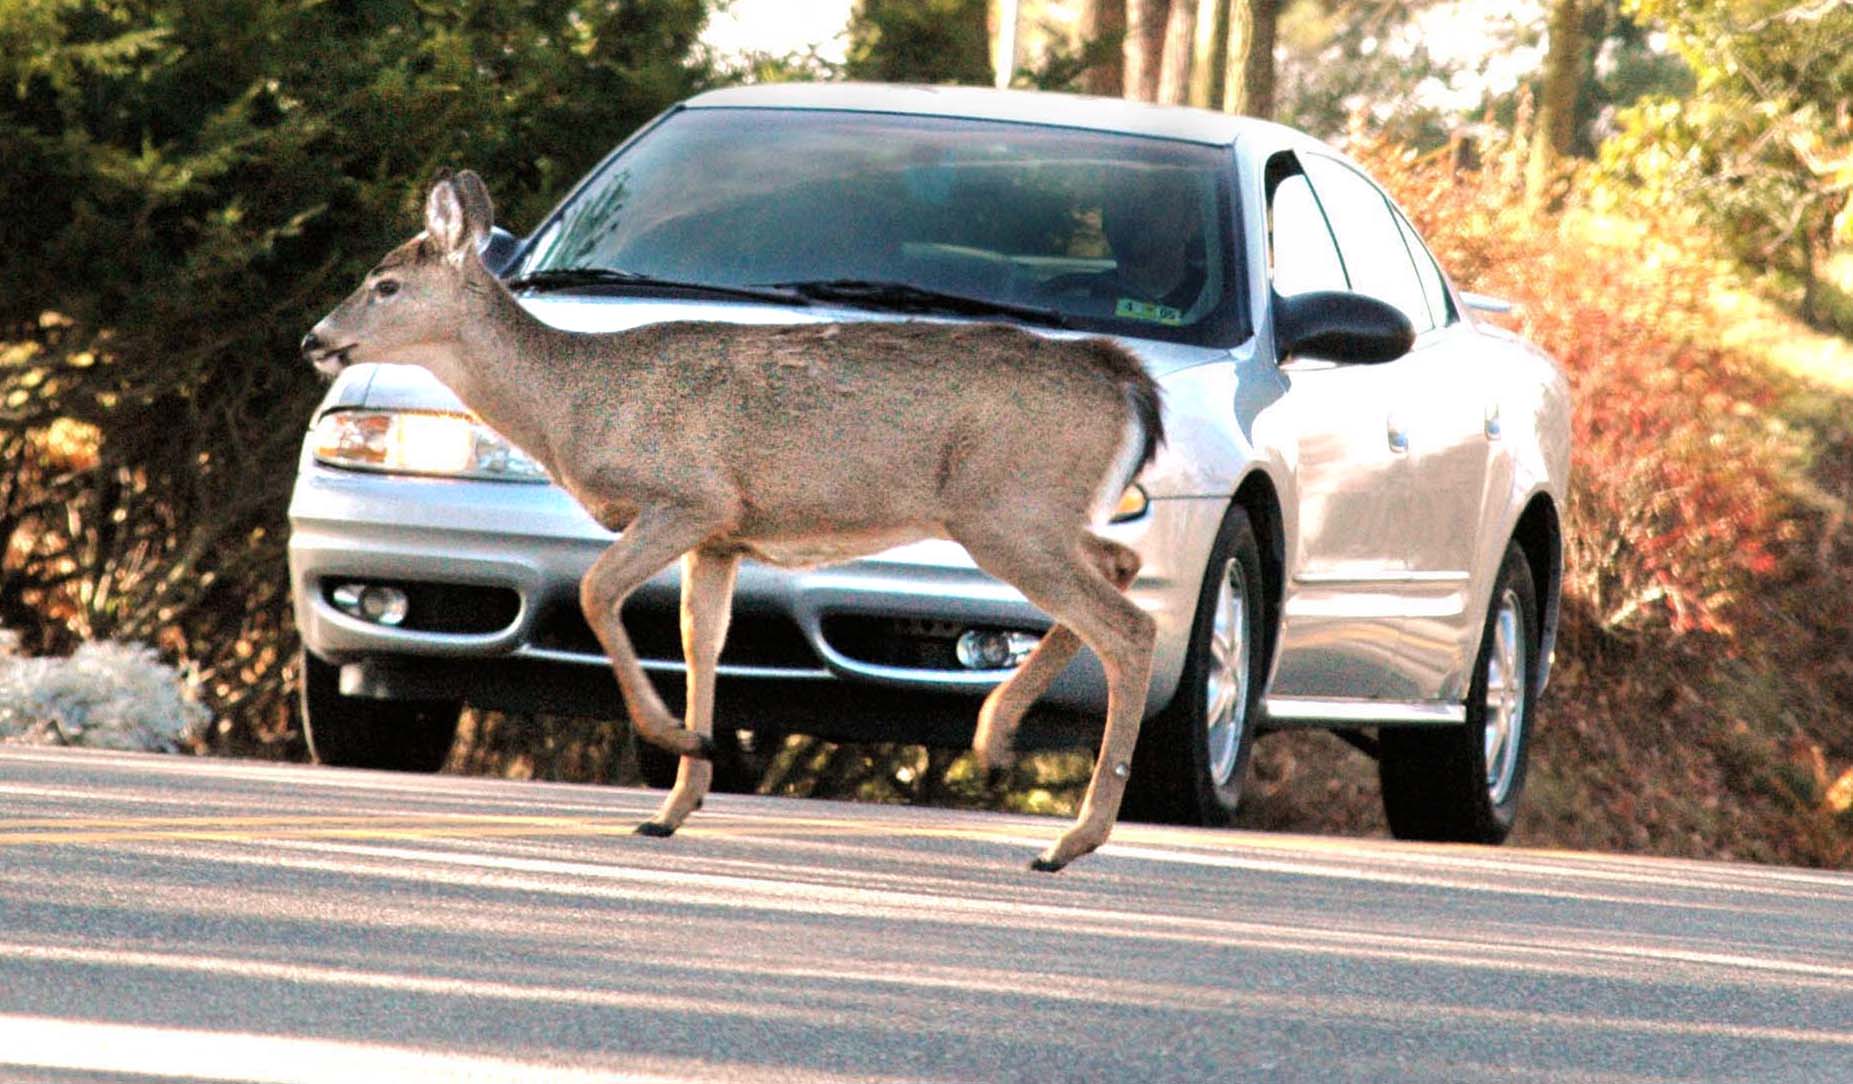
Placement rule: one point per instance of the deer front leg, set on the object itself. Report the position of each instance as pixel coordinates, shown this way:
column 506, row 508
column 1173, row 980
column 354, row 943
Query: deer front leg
column 995, row 742
column 647, row 546
column 707, row 604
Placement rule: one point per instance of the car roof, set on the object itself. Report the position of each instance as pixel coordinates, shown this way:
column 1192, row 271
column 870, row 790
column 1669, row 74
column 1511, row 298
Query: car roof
column 983, row 103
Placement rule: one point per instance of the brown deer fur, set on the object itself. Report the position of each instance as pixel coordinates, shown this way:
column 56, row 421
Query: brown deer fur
column 795, row 445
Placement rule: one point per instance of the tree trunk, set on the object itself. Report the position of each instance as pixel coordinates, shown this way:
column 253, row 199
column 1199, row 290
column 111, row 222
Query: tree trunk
column 1145, row 46
column 1812, row 313
column 1212, row 41
column 1248, row 80
column 1174, row 70
column 1004, row 48
column 1556, row 124
column 1100, row 20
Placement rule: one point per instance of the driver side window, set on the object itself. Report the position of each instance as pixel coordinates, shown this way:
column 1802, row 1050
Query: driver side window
column 1302, row 256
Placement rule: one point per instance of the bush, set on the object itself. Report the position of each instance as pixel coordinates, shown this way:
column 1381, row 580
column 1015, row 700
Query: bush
column 1701, row 693
column 189, row 186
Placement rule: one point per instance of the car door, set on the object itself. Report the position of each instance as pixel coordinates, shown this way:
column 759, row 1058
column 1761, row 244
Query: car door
column 1348, row 557
column 1440, row 412
column 1455, row 426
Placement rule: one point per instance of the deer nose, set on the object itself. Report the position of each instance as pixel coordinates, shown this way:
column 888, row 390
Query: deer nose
column 310, row 344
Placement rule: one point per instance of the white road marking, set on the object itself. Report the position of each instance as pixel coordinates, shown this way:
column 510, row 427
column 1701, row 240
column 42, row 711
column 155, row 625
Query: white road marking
column 43, row 1042
column 783, row 893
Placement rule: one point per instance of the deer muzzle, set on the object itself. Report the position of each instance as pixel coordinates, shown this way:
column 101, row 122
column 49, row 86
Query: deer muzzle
column 328, row 360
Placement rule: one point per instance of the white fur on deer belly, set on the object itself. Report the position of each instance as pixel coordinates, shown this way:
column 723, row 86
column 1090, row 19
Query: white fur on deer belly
column 826, row 549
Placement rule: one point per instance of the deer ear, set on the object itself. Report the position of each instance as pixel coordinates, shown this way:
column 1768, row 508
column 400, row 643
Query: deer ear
column 444, row 218
column 478, row 210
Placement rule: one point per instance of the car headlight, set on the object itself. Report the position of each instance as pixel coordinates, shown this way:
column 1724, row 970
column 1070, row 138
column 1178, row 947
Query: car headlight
column 1132, row 504
column 413, row 442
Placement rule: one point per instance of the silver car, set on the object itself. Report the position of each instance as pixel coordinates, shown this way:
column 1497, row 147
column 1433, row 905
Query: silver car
column 1330, row 539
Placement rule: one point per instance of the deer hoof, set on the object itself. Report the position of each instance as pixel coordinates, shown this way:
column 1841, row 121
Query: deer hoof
column 1042, row 863
column 655, row 830
column 996, row 779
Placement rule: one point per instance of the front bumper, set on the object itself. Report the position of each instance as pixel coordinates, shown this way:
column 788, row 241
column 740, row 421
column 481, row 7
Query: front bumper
column 863, row 632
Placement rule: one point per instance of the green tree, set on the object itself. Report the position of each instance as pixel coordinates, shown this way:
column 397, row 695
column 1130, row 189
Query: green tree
column 1351, row 58
column 920, row 41
column 1764, row 144
column 189, row 183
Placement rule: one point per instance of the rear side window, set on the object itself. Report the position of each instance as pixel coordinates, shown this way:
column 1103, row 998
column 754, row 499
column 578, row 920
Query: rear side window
column 1433, row 287
column 1369, row 239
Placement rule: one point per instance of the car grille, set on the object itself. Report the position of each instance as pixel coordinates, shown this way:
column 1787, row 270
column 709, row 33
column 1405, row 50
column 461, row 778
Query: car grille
column 889, row 641
column 753, row 639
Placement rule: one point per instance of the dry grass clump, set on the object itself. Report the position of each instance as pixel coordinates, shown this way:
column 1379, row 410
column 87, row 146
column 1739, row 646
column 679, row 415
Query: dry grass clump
column 106, row 695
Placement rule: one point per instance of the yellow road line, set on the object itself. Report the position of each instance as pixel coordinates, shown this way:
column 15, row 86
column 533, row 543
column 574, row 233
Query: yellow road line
column 256, row 829
column 300, row 819
column 94, row 830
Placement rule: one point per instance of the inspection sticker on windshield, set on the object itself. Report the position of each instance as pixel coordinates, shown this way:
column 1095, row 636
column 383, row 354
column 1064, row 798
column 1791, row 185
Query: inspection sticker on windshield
column 1134, row 309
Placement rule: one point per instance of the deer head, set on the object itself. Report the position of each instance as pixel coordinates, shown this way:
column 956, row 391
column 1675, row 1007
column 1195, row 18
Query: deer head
column 411, row 306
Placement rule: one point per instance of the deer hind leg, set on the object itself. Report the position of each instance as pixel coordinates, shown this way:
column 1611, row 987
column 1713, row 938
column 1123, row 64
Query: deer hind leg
column 1003, row 710
column 647, row 547
column 707, row 604
column 1071, row 583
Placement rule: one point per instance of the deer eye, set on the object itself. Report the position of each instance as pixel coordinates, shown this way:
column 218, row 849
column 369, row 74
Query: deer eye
column 386, row 287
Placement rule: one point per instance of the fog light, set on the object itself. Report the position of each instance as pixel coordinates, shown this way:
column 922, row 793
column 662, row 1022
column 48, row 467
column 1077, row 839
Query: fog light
column 994, row 649
column 373, row 602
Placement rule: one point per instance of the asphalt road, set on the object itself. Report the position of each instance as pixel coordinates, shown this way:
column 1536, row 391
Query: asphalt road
column 164, row 918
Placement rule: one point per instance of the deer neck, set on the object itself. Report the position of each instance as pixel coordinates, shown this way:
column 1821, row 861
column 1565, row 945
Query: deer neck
column 506, row 365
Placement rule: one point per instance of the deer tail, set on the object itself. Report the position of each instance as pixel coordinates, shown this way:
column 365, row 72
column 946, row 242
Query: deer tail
column 1144, row 429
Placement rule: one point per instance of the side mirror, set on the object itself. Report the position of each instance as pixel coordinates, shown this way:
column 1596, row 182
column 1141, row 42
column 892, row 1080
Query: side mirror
column 1342, row 327
column 498, row 249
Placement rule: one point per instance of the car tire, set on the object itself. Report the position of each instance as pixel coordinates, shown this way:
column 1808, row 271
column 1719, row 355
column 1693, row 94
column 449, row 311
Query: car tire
column 1192, row 757
column 358, row 732
column 1462, row 784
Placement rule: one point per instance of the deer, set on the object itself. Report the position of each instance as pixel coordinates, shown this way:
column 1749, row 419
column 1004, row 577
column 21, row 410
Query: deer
column 795, row 445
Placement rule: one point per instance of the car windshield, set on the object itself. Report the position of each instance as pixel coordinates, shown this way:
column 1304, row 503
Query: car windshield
column 1112, row 233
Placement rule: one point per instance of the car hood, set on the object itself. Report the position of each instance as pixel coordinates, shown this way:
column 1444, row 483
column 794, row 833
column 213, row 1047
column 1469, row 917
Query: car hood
column 408, row 387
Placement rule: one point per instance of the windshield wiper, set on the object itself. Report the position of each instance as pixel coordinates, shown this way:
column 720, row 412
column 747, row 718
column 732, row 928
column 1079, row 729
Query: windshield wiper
column 568, row 278
column 906, row 297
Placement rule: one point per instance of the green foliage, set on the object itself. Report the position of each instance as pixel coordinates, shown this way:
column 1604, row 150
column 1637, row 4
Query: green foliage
column 920, row 41
column 1064, row 66
column 1346, row 58
column 942, row 41
column 189, row 184
column 1764, row 144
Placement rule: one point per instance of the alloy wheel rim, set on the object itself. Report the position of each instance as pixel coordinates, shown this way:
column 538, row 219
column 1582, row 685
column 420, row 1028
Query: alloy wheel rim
column 1226, row 689
column 1505, row 698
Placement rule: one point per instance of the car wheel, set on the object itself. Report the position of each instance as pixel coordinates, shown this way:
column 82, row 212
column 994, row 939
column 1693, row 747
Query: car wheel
column 358, row 732
column 1192, row 757
column 1462, row 784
